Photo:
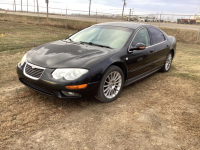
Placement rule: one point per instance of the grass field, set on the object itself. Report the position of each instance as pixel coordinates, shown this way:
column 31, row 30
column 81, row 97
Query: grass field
column 182, row 35
column 159, row 112
column 17, row 36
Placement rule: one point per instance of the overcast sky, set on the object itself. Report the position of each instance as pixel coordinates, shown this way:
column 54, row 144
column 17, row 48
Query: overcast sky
column 115, row 6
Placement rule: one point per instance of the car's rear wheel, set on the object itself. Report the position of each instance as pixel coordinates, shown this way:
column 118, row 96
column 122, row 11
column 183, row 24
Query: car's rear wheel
column 168, row 63
column 111, row 85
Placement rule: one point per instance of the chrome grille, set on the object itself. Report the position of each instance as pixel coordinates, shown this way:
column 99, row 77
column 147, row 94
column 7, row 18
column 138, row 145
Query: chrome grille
column 33, row 71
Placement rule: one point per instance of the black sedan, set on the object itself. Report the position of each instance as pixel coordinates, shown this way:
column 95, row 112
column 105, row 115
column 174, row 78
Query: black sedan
column 97, row 61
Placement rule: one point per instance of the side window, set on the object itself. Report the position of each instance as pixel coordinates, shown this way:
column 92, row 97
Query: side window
column 142, row 37
column 156, row 35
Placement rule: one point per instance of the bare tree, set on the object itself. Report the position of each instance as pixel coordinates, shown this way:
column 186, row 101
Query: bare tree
column 89, row 6
column 123, row 8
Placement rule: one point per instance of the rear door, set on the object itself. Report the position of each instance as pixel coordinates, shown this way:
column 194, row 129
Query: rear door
column 140, row 61
column 160, row 44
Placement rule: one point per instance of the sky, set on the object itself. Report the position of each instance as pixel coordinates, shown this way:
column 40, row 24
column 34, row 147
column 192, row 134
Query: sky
column 113, row 6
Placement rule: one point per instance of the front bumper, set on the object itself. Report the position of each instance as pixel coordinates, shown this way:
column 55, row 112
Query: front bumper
column 47, row 85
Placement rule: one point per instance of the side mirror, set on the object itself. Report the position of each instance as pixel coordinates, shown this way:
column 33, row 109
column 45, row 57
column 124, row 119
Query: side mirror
column 138, row 46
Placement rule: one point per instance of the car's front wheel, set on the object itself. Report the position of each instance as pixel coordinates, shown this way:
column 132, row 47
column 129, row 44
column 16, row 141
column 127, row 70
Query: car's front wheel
column 111, row 85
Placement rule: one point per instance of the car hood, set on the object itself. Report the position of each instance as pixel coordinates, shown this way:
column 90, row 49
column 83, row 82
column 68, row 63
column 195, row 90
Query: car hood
column 61, row 54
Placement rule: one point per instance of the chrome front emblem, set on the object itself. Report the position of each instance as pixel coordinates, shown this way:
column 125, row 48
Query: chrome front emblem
column 33, row 67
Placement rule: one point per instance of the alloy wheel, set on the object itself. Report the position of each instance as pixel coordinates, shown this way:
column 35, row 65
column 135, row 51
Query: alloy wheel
column 168, row 62
column 112, row 84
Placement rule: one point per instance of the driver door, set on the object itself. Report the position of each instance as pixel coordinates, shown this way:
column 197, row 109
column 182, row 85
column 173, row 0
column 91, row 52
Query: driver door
column 140, row 61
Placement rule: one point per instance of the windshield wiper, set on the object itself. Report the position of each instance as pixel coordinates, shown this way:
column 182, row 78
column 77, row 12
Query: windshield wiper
column 71, row 40
column 90, row 43
column 68, row 39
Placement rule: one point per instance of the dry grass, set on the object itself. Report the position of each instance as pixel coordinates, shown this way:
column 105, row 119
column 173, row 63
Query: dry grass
column 18, row 35
column 71, row 24
column 183, row 35
column 160, row 112
column 187, row 59
column 7, row 72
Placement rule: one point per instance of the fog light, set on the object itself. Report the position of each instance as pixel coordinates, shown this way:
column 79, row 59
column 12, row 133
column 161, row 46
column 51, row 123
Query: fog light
column 70, row 93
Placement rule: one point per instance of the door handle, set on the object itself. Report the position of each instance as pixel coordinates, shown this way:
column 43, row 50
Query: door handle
column 167, row 45
column 151, row 51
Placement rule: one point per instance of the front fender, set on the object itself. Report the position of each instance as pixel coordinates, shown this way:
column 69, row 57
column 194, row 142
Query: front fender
column 97, row 71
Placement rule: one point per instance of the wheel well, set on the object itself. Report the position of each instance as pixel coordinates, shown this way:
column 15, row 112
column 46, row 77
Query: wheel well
column 122, row 67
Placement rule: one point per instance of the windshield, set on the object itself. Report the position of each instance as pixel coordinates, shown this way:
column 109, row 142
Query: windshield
column 113, row 37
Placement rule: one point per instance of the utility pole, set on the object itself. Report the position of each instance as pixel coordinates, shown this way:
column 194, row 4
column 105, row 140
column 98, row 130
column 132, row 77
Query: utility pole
column 38, row 12
column 47, row 1
column 129, row 16
column 15, row 5
column 157, row 17
column 89, row 6
column 34, row 6
column 13, row 10
column 66, row 17
column 21, row 5
column 123, row 8
column 37, row 7
column 27, row 6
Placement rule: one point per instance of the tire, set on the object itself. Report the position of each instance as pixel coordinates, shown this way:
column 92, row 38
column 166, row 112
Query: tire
column 168, row 63
column 111, row 85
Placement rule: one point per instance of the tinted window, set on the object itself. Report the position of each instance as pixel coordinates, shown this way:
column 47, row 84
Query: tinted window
column 142, row 37
column 156, row 36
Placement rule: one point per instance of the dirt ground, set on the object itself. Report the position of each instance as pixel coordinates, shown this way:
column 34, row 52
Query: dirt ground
column 157, row 113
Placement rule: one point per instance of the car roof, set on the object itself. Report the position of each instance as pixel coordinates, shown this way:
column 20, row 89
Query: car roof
column 123, row 24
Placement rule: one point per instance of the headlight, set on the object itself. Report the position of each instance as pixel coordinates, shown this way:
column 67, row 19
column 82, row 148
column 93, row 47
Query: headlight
column 69, row 74
column 23, row 60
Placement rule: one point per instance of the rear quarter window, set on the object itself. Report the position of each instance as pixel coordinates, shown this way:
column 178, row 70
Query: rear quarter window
column 156, row 35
